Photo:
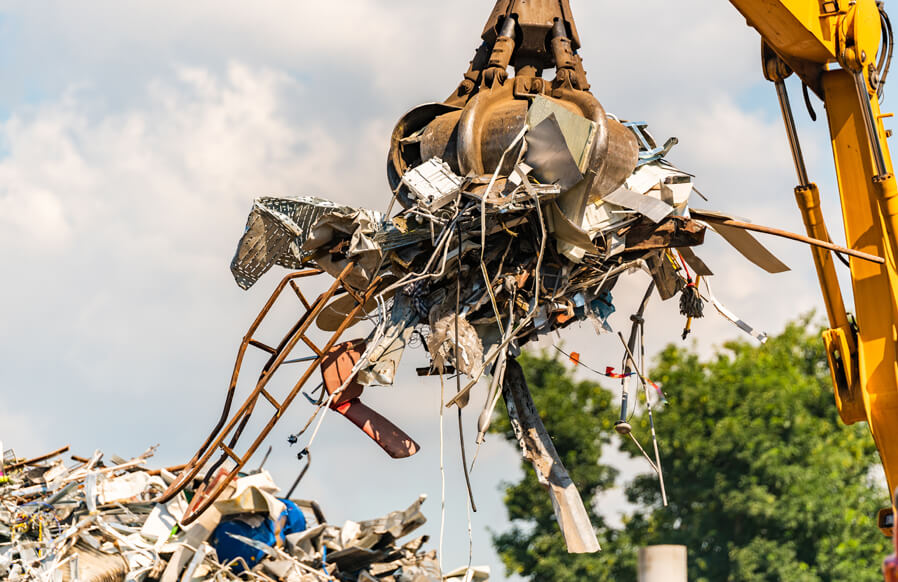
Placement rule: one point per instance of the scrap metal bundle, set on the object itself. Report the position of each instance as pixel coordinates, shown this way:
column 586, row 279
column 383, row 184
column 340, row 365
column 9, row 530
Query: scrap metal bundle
column 481, row 264
column 536, row 255
column 93, row 521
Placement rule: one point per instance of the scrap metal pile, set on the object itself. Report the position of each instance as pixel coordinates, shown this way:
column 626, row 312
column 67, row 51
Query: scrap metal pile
column 92, row 521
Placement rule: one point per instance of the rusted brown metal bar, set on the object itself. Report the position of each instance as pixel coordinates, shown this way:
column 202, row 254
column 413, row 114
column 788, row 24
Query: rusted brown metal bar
column 193, row 467
column 216, row 491
column 792, row 236
column 227, row 432
column 175, row 469
column 20, row 464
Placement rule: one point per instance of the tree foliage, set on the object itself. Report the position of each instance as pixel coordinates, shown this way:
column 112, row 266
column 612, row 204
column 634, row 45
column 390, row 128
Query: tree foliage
column 764, row 482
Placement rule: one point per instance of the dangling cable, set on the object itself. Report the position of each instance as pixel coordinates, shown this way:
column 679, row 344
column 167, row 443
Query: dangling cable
column 657, row 464
column 442, row 473
column 461, row 430
column 461, row 433
column 885, row 57
column 622, row 425
column 807, row 101
column 648, row 403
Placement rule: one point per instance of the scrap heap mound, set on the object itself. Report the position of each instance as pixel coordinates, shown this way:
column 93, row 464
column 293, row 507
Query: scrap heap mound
column 93, row 521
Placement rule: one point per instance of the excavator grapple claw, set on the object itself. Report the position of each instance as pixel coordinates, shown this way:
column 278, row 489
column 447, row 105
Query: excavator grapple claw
column 476, row 130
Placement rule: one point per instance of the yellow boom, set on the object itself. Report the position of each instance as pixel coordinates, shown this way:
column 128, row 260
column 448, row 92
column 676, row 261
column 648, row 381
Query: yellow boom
column 833, row 46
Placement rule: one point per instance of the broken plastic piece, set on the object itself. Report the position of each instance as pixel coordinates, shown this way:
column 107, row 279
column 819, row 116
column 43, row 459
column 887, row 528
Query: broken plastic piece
column 337, row 371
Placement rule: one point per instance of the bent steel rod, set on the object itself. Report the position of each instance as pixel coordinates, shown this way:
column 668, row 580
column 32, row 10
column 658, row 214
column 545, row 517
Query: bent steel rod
column 796, row 237
column 240, row 461
column 215, row 439
column 247, row 341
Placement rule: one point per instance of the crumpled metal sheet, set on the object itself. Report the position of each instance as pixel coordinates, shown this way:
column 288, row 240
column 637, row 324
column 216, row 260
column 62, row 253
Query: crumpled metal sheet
column 275, row 232
column 291, row 233
column 537, row 447
column 652, row 208
column 442, row 341
column 360, row 226
column 549, row 156
column 397, row 524
column 385, row 356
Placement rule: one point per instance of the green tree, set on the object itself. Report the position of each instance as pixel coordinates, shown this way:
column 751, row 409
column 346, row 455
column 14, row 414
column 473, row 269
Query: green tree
column 764, row 482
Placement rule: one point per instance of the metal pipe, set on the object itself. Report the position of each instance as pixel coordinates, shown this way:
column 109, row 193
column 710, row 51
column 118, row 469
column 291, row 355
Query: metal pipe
column 872, row 134
column 508, row 27
column 808, row 199
column 796, row 237
column 792, row 133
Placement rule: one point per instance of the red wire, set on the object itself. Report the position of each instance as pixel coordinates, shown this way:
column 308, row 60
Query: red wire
column 685, row 268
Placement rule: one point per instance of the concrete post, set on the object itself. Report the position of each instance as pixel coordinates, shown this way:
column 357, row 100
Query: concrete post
column 662, row 564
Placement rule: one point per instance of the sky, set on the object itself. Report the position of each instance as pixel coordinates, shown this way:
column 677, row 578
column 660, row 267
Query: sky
column 135, row 135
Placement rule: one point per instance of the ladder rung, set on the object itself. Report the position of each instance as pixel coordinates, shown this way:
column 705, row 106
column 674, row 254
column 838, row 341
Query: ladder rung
column 229, row 452
column 309, row 343
column 354, row 295
column 270, row 398
column 299, row 294
column 262, row 347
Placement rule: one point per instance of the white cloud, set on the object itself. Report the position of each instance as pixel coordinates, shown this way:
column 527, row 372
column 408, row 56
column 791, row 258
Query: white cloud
column 135, row 214
column 23, row 433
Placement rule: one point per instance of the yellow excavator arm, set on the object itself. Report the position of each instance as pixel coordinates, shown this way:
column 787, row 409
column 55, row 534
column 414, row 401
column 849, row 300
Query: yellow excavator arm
column 837, row 49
